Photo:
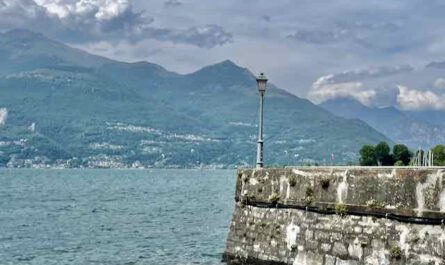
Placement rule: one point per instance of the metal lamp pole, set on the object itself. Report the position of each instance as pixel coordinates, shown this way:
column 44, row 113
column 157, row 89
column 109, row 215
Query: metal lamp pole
column 261, row 81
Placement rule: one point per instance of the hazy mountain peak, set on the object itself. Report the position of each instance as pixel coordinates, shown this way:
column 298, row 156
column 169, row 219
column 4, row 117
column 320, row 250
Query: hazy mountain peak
column 224, row 66
column 389, row 120
column 20, row 33
column 23, row 40
column 226, row 73
column 142, row 65
column 228, row 63
column 24, row 50
column 343, row 101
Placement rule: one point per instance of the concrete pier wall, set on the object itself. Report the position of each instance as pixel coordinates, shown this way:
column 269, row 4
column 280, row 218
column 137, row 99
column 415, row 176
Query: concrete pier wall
column 338, row 216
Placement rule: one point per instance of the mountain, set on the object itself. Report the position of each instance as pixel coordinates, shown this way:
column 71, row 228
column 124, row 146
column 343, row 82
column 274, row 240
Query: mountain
column 431, row 116
column 69, row 108
column 402, row 127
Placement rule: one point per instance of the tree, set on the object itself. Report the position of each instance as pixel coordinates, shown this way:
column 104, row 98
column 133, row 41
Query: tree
column 439, row 155
column 367, row 156
column 382, row 153
column 401, row 153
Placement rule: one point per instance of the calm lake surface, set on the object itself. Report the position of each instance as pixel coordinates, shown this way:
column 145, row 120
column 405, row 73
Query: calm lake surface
column 114, row 216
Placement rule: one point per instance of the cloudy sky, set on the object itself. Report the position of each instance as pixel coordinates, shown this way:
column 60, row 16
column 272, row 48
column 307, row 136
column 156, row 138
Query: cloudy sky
column 314, row 48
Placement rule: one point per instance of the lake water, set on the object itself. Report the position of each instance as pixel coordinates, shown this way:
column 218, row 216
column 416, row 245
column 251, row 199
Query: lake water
column 114, row 216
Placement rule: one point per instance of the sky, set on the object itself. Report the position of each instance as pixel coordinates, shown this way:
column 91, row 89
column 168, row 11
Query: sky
column 319, row 49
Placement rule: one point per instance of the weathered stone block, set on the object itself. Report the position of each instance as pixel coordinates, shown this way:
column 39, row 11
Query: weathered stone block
column 293, row 232
column 339, row 250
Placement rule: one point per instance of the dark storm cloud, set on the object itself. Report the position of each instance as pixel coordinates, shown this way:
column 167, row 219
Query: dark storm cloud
column 207, row 36
column 319, row 36
column 23, row 13
column 356, row 32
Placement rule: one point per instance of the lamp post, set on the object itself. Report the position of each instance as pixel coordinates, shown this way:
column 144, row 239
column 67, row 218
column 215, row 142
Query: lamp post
column 261, row 81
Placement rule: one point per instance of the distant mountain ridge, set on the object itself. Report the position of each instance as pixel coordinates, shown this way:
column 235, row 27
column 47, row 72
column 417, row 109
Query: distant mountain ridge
column 400, row 126
column 69, row 108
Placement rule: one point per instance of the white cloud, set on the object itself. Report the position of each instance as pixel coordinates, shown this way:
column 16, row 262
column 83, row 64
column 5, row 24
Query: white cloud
column 100, row 9
column 439, row 83
column 323, row 90
column 3, row 116
column 411, row 99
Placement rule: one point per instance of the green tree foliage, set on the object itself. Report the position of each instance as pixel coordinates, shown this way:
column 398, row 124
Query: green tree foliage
column 399, row 163
column 402, row 154
column 79, row 101
column 368, row 156
column 439, row 155
column 382, row 153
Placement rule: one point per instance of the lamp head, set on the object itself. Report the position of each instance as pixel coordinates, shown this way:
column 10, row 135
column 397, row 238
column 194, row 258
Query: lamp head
column 261, row 81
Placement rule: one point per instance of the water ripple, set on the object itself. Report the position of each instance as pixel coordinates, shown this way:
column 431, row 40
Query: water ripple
column 114, row 216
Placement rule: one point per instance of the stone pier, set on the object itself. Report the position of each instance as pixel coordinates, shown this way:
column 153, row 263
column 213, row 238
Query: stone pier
column 338, row 216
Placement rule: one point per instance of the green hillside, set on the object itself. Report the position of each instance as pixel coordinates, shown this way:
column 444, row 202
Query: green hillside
column 68, row 108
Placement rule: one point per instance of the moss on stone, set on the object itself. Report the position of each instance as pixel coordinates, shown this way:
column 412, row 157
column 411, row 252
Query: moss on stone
column 308, row 200
column 395, row 253
column 373, row 203
column 274, row 198
column 309, row 192
column 341, row 209
column 292, row 181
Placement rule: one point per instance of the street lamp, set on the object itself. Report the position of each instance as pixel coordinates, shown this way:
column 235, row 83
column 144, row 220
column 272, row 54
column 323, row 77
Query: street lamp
column 261, row 81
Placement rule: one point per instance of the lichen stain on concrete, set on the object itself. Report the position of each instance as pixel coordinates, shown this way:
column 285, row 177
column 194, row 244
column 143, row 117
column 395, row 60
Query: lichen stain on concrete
column 342, row 189
column 301, row 258
column 404, row 245
column 355, row 249
column 442, row 201
column 386, row 175
column 301, row 173
column 378, row 257
column 292, row 232
column 253, row 181
column 424, row 190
